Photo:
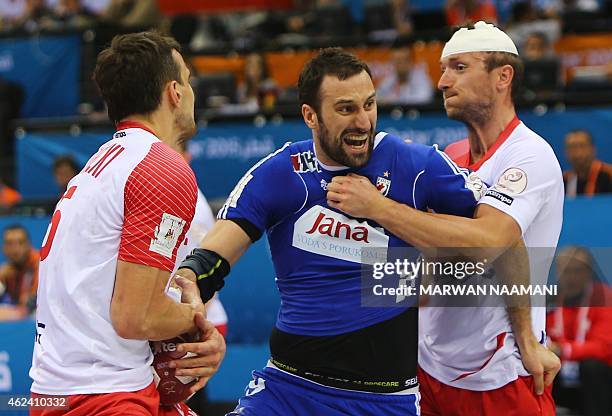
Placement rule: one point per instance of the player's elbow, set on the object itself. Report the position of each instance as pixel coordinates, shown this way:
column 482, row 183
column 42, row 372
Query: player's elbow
column 128, row 326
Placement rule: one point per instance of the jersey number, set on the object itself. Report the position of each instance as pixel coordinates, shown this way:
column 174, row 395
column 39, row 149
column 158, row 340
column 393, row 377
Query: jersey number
column 57, row 216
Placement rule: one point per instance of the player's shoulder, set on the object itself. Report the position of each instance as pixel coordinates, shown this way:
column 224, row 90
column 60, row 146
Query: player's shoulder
column 388, row 142
column 274, row 163
column 526, row 146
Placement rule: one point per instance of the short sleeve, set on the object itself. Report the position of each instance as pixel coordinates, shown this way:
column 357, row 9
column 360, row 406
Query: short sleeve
column 525, row 178
column 159, row 203
column 449, row 188
column 266, row 193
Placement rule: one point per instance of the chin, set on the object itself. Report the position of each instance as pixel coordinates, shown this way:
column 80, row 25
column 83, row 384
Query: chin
column 454, row 113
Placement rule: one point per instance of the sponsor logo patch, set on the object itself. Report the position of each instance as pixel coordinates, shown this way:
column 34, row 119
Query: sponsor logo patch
column 500, row 197
column 328, row 233
column 167, row 234
column 513, row 181
column 305, row 162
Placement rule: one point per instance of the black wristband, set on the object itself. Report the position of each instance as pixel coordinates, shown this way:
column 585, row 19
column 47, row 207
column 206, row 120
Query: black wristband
column 210, row 270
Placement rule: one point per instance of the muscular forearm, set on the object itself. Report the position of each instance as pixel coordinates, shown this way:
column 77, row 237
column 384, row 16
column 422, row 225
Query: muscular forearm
column 169, row 319
column 424, row 230
column 512, row 269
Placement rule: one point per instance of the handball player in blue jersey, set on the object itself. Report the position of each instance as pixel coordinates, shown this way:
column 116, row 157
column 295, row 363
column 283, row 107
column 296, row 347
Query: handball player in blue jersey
column 329, row 354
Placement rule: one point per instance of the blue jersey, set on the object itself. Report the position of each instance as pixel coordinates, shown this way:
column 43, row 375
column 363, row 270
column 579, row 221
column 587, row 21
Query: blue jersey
column 317, row 250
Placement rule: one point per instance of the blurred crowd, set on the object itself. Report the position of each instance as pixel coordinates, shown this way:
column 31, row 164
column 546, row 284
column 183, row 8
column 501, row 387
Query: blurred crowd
column 535, row 26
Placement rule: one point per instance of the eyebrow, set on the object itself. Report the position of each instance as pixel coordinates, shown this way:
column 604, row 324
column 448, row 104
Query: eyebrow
column 347, row 101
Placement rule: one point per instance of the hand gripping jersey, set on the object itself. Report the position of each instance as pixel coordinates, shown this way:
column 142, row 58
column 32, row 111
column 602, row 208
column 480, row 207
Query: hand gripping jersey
column 316, row 252
column 473, row 347
column 133, row 201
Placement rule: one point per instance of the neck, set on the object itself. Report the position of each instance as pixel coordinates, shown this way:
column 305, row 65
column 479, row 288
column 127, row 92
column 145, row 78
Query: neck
column 161, row 126
column 483, row 136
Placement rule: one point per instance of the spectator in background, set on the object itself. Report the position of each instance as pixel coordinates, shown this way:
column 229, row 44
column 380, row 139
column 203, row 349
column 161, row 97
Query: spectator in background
column 588, row 176
column 528, row 18
column 408, row 82
column 537, row 47
column 402, row 17
column 580, row 329
column 19, row 275
column 203, row 221
column 35, row 13
column 133, row 14
column 64, row 169
column 460, row 12
column 70, row 14
column 258, row 90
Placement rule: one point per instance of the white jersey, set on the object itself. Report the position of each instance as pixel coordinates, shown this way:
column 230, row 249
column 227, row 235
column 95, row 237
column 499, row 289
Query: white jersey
column 203, row 221
column 473, row 347
column 133, row 201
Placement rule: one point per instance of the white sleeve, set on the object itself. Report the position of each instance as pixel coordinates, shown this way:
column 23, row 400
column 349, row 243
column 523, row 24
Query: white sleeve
column 524, row 178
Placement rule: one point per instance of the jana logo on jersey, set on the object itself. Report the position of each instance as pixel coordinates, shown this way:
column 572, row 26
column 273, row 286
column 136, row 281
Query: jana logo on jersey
column 305, row 162
column 167, row 234
column 323, row 231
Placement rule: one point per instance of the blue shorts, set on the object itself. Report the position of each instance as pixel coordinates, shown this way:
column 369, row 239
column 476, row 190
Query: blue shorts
column 273, row 392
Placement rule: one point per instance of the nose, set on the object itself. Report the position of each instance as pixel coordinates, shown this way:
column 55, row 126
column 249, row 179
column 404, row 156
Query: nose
column 445, row 81
column 362, row 120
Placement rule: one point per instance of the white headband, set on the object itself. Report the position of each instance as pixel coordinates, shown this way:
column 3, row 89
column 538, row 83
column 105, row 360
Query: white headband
column 485, row 37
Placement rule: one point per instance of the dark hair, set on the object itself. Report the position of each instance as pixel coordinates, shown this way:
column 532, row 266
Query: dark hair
column 585, row 132
column 65, row 160
column 402, row 41
column 16, row 227
column 131, row 73
column 539, row 35
column 496, row 59
column 252, row 85
column 329, row 61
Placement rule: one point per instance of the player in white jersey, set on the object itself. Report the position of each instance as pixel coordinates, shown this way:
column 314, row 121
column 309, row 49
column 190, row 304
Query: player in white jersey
column 478, row 360
column 112, row 243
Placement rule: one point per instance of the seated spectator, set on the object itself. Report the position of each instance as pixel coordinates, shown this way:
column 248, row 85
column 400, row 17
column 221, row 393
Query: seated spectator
column 460, row 12
column 402, row 17
column 408, row 82
column 564, row 6
column 537, row 47
column 527, row 19
column 8, row 196
column 34, row 14
column 133, row 14
column 19, row 275
column 258, row 90
column 70, row 14
column 64, row 169
column 580, row 330
column 588, row 176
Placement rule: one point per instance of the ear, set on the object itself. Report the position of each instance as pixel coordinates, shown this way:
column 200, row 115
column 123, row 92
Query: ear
column 310, row 116
column 174, row 93
column 505, row 77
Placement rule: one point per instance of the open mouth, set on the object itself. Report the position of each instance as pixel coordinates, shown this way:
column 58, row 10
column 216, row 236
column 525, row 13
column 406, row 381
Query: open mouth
column 356, row 141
